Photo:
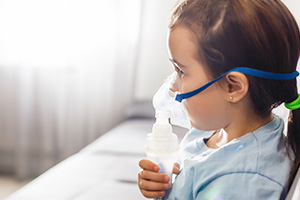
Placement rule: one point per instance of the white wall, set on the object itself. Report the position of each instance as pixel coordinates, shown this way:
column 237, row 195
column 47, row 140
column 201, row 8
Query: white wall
column 294, row 7
column 153, row 64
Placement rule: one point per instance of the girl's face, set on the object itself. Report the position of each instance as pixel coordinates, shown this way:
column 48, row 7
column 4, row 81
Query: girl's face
column 210, row 109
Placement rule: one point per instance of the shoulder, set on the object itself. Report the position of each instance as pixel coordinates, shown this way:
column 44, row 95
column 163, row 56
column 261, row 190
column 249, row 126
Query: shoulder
column 273, row 160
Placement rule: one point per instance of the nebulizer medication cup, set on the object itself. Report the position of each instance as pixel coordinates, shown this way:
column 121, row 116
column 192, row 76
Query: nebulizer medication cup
column 162, row 144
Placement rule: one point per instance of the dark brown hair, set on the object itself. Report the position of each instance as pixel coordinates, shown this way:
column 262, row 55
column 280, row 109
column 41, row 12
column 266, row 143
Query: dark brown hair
column 260, row 34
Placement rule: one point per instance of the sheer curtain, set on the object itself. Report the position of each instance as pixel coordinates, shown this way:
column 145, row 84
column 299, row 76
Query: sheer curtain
column 67, row 71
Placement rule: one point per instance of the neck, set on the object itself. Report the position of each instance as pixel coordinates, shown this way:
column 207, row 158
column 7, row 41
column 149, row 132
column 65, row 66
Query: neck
column 237, row 128
column 241, row 126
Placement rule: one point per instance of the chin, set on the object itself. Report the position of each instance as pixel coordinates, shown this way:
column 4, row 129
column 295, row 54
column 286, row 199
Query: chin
column 203, row 127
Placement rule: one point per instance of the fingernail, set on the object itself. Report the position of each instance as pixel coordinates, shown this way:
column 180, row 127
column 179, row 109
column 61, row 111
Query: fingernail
column 166, row 186
column 167, row 178
column 162, row 193
column 156, row 169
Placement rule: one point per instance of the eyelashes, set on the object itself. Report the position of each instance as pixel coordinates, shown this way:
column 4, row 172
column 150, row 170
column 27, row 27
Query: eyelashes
column 178, row 70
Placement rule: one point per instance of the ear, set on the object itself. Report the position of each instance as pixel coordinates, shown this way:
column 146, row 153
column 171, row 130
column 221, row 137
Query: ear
column 237, row 86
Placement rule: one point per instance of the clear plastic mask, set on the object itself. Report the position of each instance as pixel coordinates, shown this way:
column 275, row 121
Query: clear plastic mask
column 164, row 99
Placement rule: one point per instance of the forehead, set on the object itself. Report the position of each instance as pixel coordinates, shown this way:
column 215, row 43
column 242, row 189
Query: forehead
column 182, row 44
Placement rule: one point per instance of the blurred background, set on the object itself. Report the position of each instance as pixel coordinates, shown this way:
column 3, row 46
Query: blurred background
column 70, row 68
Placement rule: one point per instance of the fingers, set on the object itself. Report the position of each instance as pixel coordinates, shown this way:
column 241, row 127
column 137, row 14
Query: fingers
column 152, row 184
column 176, row 168
column 148, row 165
column 154, row 176
column 152, row 189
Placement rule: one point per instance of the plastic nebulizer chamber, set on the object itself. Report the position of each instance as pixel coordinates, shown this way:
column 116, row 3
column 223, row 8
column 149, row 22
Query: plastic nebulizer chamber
column 162, row 144
column 164, row 99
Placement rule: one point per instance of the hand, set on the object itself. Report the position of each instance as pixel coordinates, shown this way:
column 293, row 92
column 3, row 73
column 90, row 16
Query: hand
column 151, row 183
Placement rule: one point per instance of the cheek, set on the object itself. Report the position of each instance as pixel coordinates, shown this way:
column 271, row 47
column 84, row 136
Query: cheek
column 188, row 84
column 198, row 111
column 206, row 113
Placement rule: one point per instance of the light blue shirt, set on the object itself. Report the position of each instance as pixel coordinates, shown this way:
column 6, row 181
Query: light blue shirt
column 254, row 166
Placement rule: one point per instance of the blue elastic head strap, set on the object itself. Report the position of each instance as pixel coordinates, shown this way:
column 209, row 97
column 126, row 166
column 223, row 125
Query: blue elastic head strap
column 244, row 70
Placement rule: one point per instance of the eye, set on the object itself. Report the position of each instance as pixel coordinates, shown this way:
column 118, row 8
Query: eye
column 178, row 70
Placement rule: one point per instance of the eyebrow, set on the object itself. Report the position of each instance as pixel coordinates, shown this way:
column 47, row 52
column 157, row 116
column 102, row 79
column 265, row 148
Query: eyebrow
column 177, row 63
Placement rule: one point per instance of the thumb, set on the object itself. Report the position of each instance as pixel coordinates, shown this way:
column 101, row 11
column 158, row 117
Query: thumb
column 176, row 168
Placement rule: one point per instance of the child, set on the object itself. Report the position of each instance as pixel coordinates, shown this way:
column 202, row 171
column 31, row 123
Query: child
column 240, row 152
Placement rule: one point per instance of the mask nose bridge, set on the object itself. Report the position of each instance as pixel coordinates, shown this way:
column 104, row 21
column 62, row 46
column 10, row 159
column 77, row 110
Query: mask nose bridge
column 174, row 79
column 174, row 86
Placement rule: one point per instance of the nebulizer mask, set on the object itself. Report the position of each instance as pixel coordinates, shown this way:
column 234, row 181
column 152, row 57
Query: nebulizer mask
column 164, row 99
